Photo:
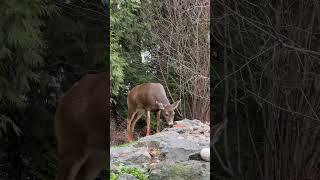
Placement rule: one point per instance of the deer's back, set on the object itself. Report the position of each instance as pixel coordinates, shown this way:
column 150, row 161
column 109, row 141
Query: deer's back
column 145, row 95
column 81, row 114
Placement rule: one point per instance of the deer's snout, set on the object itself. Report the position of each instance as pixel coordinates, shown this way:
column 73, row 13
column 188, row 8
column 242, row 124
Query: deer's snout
column 170, row 123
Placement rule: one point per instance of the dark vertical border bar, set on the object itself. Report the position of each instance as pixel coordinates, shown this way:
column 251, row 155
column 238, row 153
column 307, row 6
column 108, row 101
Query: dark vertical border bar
column 211, row 89
column 106, row 4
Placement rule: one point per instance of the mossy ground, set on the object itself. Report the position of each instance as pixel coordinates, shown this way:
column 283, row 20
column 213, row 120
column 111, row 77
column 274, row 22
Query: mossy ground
column 179, row 171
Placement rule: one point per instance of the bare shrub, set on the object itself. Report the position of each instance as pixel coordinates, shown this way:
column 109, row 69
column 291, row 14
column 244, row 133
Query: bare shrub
column 269, row 52
column 118, row 132
column 180, row 31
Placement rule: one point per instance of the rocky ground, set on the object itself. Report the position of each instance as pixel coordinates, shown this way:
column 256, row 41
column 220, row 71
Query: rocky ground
column 173, row 153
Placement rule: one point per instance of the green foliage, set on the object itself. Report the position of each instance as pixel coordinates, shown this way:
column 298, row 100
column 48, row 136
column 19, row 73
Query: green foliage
column 77, row 46
column 117, row 69
column 125, row 30
column 46, row 167
column 4, row 122
column 21, row 51
column 134, row 171
column 40, row 57
column 22, row 46
column 113, row 176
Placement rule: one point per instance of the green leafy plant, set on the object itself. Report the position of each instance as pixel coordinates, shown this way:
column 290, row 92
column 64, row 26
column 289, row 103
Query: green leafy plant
column 113, row 176
column 134, row 171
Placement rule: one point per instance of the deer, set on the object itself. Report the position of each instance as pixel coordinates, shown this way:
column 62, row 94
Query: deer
column 148, row 97
column 80, row 129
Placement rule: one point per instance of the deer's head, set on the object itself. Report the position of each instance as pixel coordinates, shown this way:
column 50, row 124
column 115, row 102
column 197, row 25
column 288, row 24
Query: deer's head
column 168, row 111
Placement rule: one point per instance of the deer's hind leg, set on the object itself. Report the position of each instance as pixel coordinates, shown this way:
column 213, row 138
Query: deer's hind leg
column 69, row 165
column 71, row 156
column 96, row 161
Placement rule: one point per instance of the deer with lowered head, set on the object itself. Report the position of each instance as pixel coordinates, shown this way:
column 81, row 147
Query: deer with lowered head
column 148, row 97
column 81, row 129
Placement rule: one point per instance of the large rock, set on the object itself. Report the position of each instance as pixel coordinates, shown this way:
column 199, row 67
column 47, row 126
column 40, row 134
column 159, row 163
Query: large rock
column 130, row 156
column 172, row 154
column 180, row 170
column 127, row 177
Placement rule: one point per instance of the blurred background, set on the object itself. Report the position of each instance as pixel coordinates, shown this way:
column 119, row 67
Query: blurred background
column 45, row 46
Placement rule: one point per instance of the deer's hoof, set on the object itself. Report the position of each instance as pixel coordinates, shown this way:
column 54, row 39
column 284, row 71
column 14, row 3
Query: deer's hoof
column 130, row 139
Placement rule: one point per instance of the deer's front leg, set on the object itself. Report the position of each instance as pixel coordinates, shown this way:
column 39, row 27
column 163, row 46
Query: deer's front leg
column 158, row 121
column 148, row 123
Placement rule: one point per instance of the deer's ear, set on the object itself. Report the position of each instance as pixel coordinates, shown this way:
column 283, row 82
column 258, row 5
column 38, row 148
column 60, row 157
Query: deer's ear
column 160, row 105
column 175, row 105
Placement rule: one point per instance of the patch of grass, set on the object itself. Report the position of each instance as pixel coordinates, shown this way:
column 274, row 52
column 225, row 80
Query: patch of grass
column 124, row 145
column 134, row 171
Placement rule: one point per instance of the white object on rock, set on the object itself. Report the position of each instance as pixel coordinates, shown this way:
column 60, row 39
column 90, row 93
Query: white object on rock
column 205, row 154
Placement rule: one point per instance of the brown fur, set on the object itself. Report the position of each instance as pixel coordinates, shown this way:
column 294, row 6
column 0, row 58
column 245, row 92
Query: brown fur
column 80, row 126
column 148, row 97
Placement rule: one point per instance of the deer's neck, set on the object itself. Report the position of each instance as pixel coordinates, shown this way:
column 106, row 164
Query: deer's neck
column 164, row 101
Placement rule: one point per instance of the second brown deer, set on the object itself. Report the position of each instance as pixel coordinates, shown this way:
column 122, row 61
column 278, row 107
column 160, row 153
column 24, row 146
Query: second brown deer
column 148, row 97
